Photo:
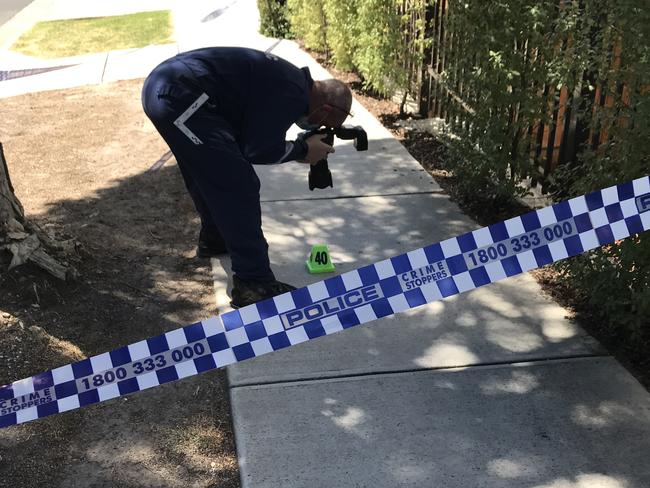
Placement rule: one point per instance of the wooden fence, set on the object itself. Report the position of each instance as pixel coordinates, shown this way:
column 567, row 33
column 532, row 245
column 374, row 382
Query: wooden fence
column 438, row 83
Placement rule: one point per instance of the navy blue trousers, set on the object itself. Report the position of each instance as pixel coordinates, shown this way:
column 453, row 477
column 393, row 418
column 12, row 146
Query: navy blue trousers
column 222, row 183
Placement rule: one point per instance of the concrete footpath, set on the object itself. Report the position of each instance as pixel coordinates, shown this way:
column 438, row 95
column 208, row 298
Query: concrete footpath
column 493, row 388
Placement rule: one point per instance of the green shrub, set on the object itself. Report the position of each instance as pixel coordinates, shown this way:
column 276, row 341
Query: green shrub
column 308, row 23
column 489, row 56
column 615, row 283
column 362, row 35
column 342, row 31
column 379, row 46
column 616, row 278
column 273, row 19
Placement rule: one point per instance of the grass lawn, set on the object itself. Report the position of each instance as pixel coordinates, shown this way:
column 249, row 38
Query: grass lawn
column 60, row 38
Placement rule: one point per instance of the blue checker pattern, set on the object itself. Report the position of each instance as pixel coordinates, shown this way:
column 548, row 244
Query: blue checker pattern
column 415, row 298
column 467, row 242
column 340, row 302
column 543, row 256
column 479, row 277
column 614, row 212
column 120, row 356
column 531, row 221
column 457, row 264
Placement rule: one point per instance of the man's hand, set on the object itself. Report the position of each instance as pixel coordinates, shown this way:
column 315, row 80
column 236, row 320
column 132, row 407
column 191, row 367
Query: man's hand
column 317, row 149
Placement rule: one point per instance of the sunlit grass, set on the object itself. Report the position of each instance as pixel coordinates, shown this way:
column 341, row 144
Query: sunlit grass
column 61, row 38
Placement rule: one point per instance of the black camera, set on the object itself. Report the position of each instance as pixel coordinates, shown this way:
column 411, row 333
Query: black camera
column 319, row 173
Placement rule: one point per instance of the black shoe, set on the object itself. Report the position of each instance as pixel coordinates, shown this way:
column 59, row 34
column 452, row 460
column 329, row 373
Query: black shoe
column 210, row 245
column 249, row 291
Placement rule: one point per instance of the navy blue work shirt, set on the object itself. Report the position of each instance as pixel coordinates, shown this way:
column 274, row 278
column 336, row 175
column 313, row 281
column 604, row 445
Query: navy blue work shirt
column 259, row 94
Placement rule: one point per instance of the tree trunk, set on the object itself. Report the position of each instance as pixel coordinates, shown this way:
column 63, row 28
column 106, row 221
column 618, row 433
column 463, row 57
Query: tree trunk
column 24, row 239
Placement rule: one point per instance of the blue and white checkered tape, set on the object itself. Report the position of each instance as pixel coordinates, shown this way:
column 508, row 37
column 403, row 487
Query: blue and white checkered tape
column 390, row 286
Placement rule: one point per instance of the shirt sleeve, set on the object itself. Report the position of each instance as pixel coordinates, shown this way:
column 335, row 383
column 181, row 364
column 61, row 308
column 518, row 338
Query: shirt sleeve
column 296, row 150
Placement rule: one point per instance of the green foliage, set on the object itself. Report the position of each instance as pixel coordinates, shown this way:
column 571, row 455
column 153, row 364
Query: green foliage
column 615, row 280
column 500, row 56
column 273, row 18
column 489, row 55
column 365, row 35
column 308, row 23
column 617, row 277
column 379, row 46
column 342, row 31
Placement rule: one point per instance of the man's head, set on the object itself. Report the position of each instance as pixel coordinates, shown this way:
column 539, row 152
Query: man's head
column 329, row 103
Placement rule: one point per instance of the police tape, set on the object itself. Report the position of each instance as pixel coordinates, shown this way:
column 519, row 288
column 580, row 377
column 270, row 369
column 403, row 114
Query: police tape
column 369, row 293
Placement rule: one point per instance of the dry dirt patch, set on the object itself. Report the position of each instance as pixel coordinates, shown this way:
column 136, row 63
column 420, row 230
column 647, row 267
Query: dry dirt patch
column 78, row 160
